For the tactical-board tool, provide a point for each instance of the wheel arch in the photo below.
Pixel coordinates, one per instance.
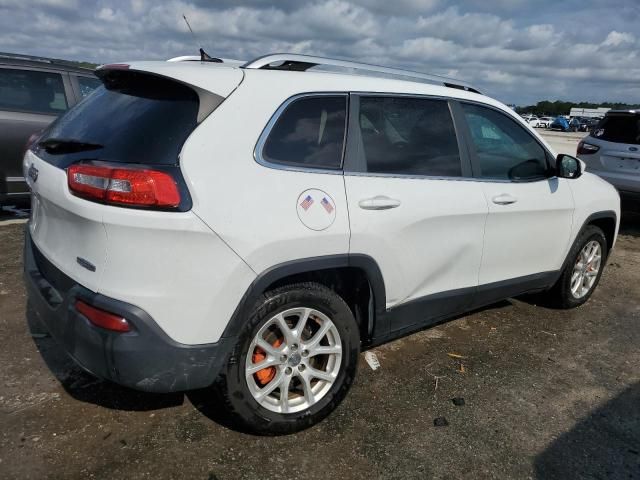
(605, 218)
(607, 222)
(342, 273)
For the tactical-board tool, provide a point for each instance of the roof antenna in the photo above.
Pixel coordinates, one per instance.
(204, 56)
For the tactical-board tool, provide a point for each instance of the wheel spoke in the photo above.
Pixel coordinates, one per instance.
(302, 322)
(267, 347)
(266, 363)
(284, 393)
(320, 374)
(306, 386)
(319, 335)
(289, 337)
(576, 284)
(322, 350)
(270, 387)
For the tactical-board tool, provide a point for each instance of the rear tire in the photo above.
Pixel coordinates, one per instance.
(292, 361)
(582, 272)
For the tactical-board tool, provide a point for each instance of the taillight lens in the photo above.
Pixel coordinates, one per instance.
(586, 148)
(100, 318)
(123, 186)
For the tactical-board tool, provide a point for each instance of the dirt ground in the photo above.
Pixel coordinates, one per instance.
(547, 394)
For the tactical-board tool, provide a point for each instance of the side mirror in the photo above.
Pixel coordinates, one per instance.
(568, 166)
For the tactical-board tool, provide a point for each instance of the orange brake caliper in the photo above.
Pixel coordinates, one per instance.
(265, 375)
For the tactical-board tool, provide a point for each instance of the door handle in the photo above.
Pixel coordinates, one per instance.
(379, 202)
(504, 199)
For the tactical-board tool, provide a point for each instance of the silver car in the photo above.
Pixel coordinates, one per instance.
(612, 150)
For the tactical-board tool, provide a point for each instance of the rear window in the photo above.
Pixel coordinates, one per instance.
(309, 133)
(131, 118)
(409, 136)
(622, 128)
(32, 91)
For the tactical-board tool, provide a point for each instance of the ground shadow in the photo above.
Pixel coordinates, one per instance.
(606, 444)
(87, 388)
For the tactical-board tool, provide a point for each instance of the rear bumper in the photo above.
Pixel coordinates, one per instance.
(144, 358)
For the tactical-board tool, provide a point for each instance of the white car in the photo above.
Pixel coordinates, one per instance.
(545, 122)
(533, 121)
(252, 228)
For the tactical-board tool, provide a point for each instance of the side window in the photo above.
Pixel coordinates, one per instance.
(32, 91)
(409, 136)
(309, 133)
(505, 150)
(87, 85)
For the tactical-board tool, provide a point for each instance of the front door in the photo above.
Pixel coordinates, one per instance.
(530, 210)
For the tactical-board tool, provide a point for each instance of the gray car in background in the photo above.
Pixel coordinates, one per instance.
(33, 92)
(612, 150)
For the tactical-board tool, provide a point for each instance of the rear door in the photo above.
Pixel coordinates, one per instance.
(413, 206)
(29, 101)
(530, 211)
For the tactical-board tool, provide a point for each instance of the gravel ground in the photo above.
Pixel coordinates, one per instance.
(547, 394)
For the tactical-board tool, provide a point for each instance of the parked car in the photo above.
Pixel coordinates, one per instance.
(33, 92)
(545, 122)
(251, 228)
(533, 121)
(560, 123)
(612, 150)
(591, 123)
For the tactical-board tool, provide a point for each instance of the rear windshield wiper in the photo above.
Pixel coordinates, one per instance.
(67, 145)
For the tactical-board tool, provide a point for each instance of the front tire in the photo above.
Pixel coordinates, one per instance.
(583, 270)
(294, 362)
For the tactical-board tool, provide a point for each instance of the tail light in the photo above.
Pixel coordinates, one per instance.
(100, 318)
(586, 148)
(123, 186)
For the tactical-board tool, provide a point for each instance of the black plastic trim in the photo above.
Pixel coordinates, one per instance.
(260, 284)
(427, 311)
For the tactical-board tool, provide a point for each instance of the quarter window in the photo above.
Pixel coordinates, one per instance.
(505, 150)
(309, 133)
(88, 85)
(408, 136)
(32, 91)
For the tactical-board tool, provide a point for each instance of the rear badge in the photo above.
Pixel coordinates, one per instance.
(316, 209)
(86, 264)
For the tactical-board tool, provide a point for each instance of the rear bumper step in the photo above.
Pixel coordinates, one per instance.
(144, 359)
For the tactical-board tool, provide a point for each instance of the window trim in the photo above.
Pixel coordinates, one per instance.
(354, 158)
(66, 89)
(473, 155)
(262, 140)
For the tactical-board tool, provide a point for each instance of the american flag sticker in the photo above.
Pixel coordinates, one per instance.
(327, 205)
(306, 203)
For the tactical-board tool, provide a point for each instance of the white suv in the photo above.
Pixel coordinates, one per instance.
(250, 228)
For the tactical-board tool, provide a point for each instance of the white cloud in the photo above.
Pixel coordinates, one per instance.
(513, 50)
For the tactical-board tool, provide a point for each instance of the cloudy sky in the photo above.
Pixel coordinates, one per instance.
(519, 51)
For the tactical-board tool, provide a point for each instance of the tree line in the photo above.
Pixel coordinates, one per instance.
(560, 107)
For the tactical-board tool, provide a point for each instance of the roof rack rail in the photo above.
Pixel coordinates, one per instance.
(18, 56)
(301, 63)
